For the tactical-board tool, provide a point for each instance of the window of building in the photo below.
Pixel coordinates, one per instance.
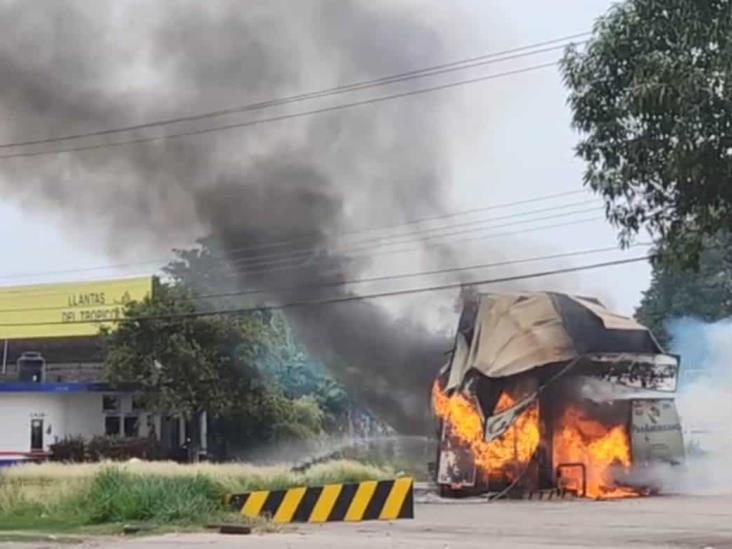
(110, 403)
(132, 426)
(111, 426)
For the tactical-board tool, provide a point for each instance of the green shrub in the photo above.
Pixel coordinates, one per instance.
(115, 448)
(116, 496)
(308, 413)
(282, 432)
(69, 450)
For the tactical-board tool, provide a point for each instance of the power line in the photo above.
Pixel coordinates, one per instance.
(269, 266)
(505, 55)
(305, 256)
(375, 245)
(347, 282)
(416, 221)
(237, 274)
(412, 275)
(421, 234)
(345, 299)
(33, 293)
(333, 108)
(295, 267)
(303, 265)
(280, 243)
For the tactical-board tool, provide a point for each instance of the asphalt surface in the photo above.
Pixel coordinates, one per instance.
(669, 521)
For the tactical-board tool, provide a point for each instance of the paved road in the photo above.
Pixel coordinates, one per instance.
(672, 522)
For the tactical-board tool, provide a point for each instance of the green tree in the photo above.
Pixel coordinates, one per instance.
(290, 367)
(651, 95)
(677, 291)
(266, 415)
(273, 347)
(185, 363)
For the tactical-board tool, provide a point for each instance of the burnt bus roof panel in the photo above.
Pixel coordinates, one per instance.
(514, 333)
(590, 335)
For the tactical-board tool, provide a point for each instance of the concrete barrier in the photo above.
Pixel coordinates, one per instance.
(369, 500)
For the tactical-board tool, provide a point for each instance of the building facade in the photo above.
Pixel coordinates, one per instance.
(37, 415)
(51, 370)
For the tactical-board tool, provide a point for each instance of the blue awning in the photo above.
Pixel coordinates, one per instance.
(31, 387)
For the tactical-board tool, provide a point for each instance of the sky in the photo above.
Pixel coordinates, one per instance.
(510, 140)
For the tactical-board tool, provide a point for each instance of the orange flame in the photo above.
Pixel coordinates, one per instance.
(578, 439)
(516, 445)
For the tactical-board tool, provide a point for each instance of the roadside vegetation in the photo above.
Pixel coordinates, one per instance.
(257, 385)
(103, 497)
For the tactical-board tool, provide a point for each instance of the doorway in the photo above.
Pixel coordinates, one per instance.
(36, 435)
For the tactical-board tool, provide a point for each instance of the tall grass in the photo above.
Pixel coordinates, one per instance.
(116, 496)
(51, 495)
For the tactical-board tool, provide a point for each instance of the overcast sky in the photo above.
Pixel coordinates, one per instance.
(511, 140)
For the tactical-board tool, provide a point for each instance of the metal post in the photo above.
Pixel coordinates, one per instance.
(5, 357)
(582, 468)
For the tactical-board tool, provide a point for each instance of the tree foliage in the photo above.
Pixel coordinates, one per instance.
(676, 291)
(187, 364)
(182, 362)
(279, 357)
(651, 95)
(246, 370)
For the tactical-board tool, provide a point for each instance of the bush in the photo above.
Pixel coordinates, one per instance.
(77, 450)
(69, 449)
(113, 448)
(308, 413)
(287, 432)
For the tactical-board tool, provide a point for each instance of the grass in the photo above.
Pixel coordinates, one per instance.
(100, 498)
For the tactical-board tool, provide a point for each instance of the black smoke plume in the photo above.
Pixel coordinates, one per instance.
(83, 65)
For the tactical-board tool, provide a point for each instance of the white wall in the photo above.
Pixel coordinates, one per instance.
(18, 409)
(63, 415)
(84, 415)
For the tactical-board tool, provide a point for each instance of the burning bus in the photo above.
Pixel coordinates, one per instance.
(548, 392)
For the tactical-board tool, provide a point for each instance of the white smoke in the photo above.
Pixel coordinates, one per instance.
(704, 401)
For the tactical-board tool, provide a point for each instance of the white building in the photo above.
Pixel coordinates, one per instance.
(51, 365)
(36, 415)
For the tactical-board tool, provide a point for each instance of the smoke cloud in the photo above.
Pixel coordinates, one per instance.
(704, 401)
(82, 65)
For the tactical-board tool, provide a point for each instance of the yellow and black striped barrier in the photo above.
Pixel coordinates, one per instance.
(369, 500)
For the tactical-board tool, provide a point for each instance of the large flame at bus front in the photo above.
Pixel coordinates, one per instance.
(503, 455)
(603, 450)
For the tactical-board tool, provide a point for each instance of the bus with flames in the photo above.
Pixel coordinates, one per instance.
(552, 393)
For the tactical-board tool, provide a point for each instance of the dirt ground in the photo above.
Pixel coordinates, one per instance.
(670, 521)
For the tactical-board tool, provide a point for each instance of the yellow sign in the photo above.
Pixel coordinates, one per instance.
(63, 310)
